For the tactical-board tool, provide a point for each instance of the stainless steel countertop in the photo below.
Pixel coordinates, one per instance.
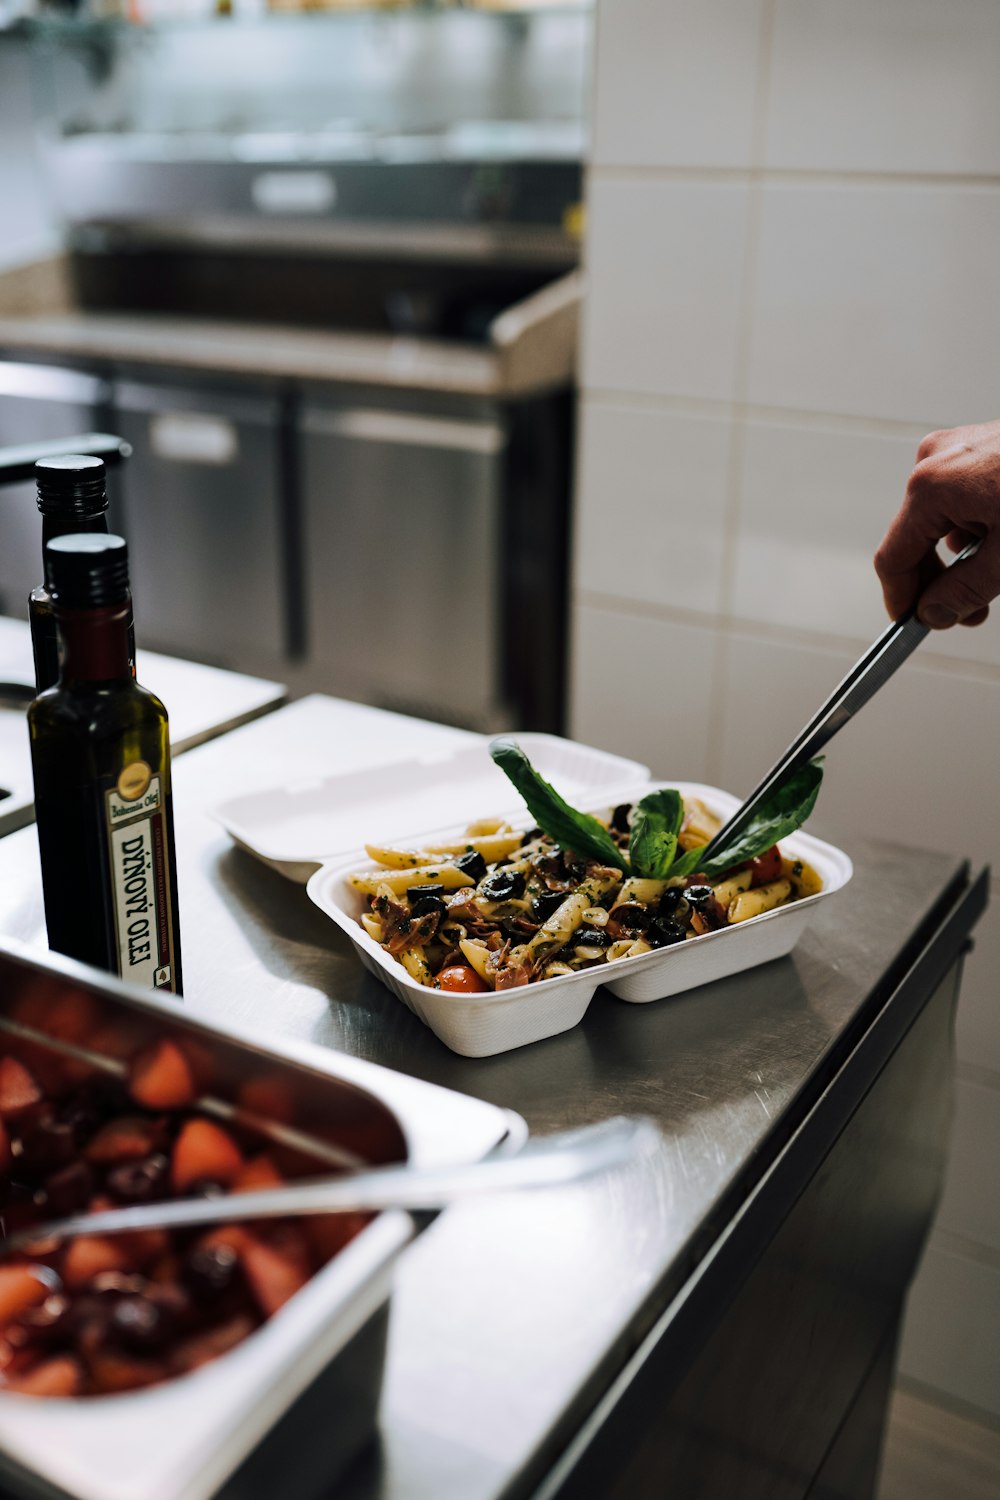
(511, 1317)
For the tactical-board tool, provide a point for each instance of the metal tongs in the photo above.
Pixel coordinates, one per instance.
(862, 682)
(551, 1161)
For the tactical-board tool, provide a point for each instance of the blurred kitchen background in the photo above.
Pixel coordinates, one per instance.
(323, 271)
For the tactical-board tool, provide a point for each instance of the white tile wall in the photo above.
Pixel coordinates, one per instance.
(894, 86)
(766, 338)
(646, 472)
(645, 683)
(891, 773)
(814, 501)
(27, 226)
(664, 261)
(878, 300)
(661, 103)
(950, 1337)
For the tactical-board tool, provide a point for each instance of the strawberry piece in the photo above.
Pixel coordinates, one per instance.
(329, 1233)
(18, 1089)
(272, 1275)
(269, 1096)
(142, 1246)
(126, 1139)
(89, 1255)
(112, 1371)
(194, 1352)
(60, 1376)
(24, 1286)
(203, 1152)
(161, 1077)
(256, 1174)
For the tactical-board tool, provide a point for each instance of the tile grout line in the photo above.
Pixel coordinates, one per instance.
(804, 177)
(720, 408)
(717, 713)
(765, 632)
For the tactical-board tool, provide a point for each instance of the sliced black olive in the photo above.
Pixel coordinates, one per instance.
(699, 895)
(503, 885)
(629, 917)
(472, 864)
(423, 905)
(416, 892)
(543, 906)
(619, 818)
(670, 900)
(664, 931)
(591, 937)
(531, 835)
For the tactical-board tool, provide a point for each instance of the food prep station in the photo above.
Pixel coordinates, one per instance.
(726, 1312)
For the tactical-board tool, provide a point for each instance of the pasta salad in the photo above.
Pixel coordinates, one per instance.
(498, 908)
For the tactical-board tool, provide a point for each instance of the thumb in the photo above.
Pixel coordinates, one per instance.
(964, 589)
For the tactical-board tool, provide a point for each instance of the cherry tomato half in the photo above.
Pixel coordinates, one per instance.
(767, 866)
(460, 979)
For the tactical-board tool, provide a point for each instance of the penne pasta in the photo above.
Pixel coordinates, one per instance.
(398, 882)
(532, 911)
(764, 898)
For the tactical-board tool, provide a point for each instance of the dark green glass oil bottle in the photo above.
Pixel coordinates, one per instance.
(72, 499)
(101, 761)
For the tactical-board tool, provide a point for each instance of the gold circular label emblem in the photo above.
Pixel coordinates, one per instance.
(134, 780)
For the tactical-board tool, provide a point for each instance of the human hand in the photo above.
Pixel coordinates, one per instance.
(953, 494)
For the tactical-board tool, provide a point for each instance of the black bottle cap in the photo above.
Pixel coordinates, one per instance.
(73, 484)
(87, 571)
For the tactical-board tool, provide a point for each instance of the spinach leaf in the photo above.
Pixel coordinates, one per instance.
(573, 830)
(656, 823)
(785, 810)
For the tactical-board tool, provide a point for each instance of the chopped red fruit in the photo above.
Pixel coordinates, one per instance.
(194, 1352)
(256, 1174)
(272, 1276)
(204, 1152)
(90, 1254)
(766, 867)
(268, 1096)
(125, 1139)
(61, 1376)
(24, 1286)
(72, 1016)
(329, 1233)
(161, 1077)
(18, 1089)
(112, 1371)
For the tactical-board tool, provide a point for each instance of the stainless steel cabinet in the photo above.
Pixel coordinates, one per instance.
(36, 403)
(404, 571)
(203, 505)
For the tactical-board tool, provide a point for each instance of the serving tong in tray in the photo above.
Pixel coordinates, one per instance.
(550, 1161)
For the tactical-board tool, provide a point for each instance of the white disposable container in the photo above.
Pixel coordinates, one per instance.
(484, 1024)
(297, 827)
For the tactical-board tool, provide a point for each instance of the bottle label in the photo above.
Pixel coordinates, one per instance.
(140, 877)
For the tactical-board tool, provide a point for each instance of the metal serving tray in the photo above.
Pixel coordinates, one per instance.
(285, 1411)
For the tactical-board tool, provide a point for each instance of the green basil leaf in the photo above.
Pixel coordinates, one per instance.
(786, 809)
(573, 830)
(688, 862)
(656, 823)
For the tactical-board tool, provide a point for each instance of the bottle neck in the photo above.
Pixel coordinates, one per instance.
(53, 526)
(95, 644)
